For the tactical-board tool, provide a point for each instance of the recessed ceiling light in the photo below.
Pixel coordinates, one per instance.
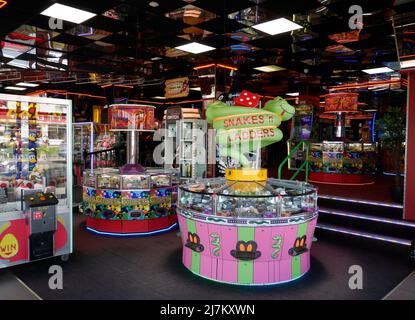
(67, 13)
(408, 64)
(156, 58)
(269, 68)
(27, 84)
(293, 94)
(378, 70)
(153, 4)
(15, 88)
(277, 26)
(194, 47)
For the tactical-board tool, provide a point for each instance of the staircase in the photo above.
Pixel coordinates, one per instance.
(374, 221)
(371, 221)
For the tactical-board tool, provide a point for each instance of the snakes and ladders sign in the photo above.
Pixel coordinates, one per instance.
(242, 129)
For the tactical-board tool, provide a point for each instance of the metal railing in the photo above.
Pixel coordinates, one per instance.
(305, 164)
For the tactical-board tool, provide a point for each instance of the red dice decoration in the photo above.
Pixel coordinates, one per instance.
(247, 99)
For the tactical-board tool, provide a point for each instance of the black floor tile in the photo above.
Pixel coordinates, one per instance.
(151, 268)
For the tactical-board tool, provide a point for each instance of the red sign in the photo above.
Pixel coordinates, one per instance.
(135, 117)
(13, 241)
(341, 102)
(37, 215)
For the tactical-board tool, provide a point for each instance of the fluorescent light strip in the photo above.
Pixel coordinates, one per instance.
(67, 13)
(137, 234)
(269, 68)
(408, 64)
(27, 84)
(366, 235)
(277, 26)
(381, 204)
(392, 174)
(195, 47)
(371, 218)
(15, 88)
(377, 70)
(293, 94)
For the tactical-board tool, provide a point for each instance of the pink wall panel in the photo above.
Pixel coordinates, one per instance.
(229, 264)
(206, 266)
(263, 237)
(261, 274)
(285, 269)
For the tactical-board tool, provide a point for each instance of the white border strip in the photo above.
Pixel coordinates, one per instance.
(28, 288)
(396, 288)
(370, 218)
(365, 235)
(375, 203)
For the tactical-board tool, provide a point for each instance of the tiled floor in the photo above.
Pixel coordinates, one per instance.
(150, 268)
(13, 289)
(404, 291)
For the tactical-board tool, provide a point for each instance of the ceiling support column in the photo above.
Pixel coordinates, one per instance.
(409, 183)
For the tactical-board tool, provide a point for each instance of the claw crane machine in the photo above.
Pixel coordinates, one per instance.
(35, 179)
(185, 142)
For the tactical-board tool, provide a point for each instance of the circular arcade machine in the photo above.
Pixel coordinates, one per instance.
(246, 229)
(131, 200)
(342, 161)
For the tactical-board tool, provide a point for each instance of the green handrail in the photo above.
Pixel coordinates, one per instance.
(305, 164)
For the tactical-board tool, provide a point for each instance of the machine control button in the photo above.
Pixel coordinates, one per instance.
(41, 199)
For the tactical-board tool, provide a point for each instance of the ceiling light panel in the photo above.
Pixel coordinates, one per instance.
(377, 70)
(15, 88)
(27, 84)
(67, 13)
(277, 26)
(195, 47)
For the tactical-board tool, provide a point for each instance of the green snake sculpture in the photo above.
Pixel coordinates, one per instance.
(277, 246)
(216, 244)
(241, 129)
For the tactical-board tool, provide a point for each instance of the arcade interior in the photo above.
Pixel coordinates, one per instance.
(214, 150)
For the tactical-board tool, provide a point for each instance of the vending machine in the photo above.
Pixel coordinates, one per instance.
(35, 179)
(185, 142)
(301, 128)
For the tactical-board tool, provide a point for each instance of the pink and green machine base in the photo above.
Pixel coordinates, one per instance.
(281, 252)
